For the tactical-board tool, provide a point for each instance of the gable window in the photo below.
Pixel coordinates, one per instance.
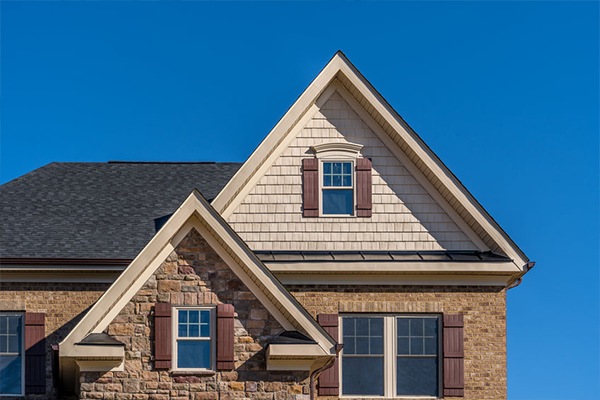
(194, 333)
(390, 355)
(11, 354)
(338, 188)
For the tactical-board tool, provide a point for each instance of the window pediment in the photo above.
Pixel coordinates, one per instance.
(337, 149)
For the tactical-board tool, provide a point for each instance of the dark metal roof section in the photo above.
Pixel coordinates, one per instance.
(292, 337)
(98, 210)
(100, 339)
(379, 256)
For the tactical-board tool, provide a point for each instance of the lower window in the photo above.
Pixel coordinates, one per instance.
(11, 354)
(194, 338)
(390, 355)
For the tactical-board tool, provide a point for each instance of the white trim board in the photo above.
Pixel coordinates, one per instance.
(197, 213)
(446, 189)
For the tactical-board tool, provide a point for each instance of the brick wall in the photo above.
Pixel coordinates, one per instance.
(484, 311)
(194, 275)
(64, 305)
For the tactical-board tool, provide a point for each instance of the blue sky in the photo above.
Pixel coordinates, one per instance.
(506, 93)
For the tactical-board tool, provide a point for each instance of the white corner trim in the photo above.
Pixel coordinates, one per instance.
(197, 213)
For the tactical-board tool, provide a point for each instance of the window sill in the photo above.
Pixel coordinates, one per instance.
(192, 372)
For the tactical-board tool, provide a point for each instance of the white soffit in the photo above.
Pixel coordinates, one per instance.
(340, 75)
(197, 213)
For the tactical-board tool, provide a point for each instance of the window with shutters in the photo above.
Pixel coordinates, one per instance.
(12, 365)
(400, 352)
(194, 338)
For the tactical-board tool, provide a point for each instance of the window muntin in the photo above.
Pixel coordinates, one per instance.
(400, 353)
(11, 354)
(194, 329)
(337, 188)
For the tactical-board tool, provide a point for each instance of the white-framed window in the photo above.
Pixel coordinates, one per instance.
(12, 350)
(194, 333)
(337, 187)
(390, 355)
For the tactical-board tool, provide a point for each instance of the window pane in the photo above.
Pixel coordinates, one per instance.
(337, 180)
(193, 354)
(326, 180)
(417, 376)
(402, 326)
(194, 316)
(194, 330)
(327, 168)
(362, 376)
(362, 326)
(377, 345)
(416, 326)
(348, 326)
(205, 317)
(183, 316)
(337, 202)
(347, 180)
(416, 345)
(14, 325)
(10, 371)
(403, 346)
(349, 345)
(431, 326)
(347, 168)
(362, 345)
(3, 344)
(183, 330)
(14, 343)
(337, 168)
(3, 325)
(431, 346)
(205, 330)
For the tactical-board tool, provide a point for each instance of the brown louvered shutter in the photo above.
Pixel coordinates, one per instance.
(310, 182)
(454, 354)
(329, 380)
(363, 187)
(225, 353)
(162, 336)
(35, 353)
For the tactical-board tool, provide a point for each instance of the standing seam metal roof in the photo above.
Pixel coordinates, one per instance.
(98, 210)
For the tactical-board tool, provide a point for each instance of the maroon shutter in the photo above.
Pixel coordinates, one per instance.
(363, 188)
(310, 181)
(35, 353)
(162, 336)
(454, 354)
(329, 380)
(225, 353)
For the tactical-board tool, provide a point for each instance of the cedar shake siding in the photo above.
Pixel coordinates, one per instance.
(404, 215)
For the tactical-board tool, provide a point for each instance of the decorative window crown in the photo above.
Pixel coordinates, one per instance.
(337, 149)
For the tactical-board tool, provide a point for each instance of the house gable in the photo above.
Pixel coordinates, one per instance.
(340, 76)
(405, 216)
(196, 214)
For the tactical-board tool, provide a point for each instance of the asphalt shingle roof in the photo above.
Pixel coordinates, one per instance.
(98, 210)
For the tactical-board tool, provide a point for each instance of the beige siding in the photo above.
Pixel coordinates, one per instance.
(404, 217)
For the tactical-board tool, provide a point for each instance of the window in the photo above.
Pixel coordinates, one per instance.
(194, 332)
(11, 354)
(338, 188)
(400, 353)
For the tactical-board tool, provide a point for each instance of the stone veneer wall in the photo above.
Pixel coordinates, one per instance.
(194, 275)
(64, 304)
(484, 311)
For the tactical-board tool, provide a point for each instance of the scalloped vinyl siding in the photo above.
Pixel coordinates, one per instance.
(404, 217)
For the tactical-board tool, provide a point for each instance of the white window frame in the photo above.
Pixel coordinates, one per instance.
(390, 355)
(352, 187)
(212, 338)
(22, 315)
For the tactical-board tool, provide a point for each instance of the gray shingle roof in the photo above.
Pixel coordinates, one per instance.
(98, 210)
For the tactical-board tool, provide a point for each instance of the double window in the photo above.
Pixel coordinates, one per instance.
(194, 332)
(338, 188)
(11, 354)
(390, 355)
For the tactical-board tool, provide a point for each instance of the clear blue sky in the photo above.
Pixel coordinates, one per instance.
(506, 93)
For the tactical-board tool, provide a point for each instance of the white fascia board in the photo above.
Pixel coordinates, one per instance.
(414, 280)
(391, 267)
(196, 212)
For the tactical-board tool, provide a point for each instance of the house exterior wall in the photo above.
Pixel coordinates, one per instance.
(484, 310)
(404, 217)
(64, 304)
(194, 275)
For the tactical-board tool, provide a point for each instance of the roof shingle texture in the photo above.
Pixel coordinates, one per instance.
(98, 210)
